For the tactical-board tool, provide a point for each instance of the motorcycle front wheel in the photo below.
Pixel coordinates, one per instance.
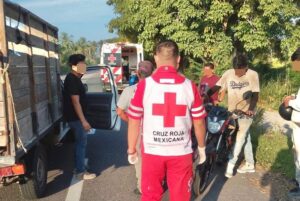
(202, 173)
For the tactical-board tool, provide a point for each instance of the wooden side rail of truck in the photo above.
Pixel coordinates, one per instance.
(30, 98)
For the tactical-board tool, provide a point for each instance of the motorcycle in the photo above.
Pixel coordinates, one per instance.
(222, 127)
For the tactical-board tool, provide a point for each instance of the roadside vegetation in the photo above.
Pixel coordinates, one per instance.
(68, 45)
(276, 82)
(272, 149)
(211, 30)
(91, 49)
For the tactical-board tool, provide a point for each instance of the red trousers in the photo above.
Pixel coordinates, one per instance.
(177, 169)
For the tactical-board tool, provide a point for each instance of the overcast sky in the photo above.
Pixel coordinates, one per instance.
(80, 18)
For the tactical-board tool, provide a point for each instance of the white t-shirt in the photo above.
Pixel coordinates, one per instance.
(126, 96)
(237, 86)
(295, 104)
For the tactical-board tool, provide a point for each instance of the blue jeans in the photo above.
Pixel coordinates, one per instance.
(243, 138)
(80, 145)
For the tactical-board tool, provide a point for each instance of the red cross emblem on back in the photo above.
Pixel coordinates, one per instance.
(169, 110)
(111, 58)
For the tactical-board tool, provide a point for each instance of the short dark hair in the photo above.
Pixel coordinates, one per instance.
(296, 55)
(74, 59)
(240, 61)
(170, 45)
(145, 68)
(210, 65)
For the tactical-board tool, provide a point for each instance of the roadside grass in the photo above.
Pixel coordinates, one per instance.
(275, 84)
(273, 91)
(272, 149)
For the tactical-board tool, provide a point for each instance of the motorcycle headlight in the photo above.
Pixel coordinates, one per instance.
(214, 126)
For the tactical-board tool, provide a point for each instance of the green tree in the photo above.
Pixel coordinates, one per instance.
(68, 46)
(211, 30)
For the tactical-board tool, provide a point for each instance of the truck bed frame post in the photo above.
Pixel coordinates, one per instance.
(48, 73)
(4, 120)
(31, 75)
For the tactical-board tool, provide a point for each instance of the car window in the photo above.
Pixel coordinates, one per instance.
(93, 82)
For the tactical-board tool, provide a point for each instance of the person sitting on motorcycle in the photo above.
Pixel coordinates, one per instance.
(236, 82)
(207, 81)
(294, 102)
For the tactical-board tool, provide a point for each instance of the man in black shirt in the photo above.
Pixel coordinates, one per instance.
(74, 108)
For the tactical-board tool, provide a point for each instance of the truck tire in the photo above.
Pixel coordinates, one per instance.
(34, 182)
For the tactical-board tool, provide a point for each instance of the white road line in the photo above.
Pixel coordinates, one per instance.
(74, 192)
(75, 189)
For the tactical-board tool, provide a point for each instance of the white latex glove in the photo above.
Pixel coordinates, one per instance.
(133, 158)
(202, 155)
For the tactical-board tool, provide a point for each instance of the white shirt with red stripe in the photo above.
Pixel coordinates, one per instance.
(167, 102)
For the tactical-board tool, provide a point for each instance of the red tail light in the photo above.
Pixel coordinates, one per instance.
(17, 169)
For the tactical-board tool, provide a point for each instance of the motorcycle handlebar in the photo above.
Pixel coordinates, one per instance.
(239, 113)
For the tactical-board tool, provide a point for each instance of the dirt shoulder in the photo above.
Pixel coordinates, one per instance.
(273, 121)
(274, 185)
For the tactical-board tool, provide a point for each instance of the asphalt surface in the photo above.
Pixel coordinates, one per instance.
(115, 180)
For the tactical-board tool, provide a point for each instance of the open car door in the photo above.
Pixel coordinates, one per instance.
(101, 99)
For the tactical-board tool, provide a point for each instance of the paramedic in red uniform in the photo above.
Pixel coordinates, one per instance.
(167, 104)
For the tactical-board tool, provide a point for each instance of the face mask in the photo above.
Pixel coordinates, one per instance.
(79, 68)
(296, 65)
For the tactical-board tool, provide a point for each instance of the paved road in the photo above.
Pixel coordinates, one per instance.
(116, 179)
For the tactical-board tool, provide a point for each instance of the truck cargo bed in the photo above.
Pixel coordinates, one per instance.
(30, 94)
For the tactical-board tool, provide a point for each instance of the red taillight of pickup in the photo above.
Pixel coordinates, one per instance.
(14, 170)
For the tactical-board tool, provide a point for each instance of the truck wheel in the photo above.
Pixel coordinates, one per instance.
(69, 137)
(33, 184)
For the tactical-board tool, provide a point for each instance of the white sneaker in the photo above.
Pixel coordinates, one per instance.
(85, 176)
(247, 168)
(88, 175)
(229, 170)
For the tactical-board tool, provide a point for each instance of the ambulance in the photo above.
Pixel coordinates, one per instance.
(123, 59)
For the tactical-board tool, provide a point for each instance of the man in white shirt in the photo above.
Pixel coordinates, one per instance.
(294, 102)
(237, 82)
(145, 69)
